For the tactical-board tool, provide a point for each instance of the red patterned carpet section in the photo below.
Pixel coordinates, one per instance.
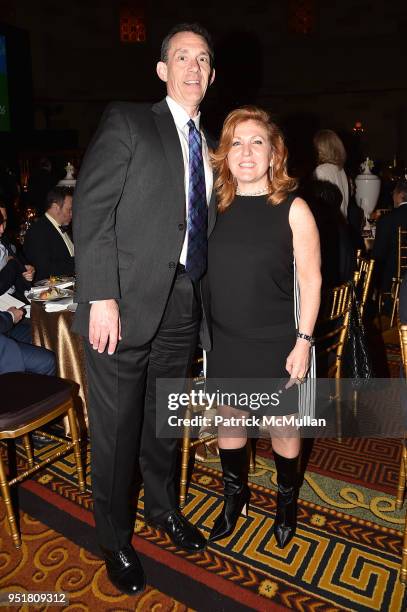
(49, 562)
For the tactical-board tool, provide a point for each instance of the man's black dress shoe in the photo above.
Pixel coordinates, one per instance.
(124, 570)
(182, 533)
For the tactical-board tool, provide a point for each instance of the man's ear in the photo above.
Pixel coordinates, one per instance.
(162, 71)
(211, 80)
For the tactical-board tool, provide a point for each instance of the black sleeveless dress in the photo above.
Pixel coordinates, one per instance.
(251, 284)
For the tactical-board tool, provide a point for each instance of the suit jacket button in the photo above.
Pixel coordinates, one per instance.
(181, 227)
(172, 264)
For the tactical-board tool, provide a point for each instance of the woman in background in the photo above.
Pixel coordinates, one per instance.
(331, 156)
(261, 228)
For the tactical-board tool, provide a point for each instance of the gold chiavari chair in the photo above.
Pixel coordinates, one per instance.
(330, 339)
(30, 401)
(402, 483)
(332, 328)
(362, 279)
(400, 271)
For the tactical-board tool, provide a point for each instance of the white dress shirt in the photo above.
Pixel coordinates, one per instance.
(64, 235)
(181, 119)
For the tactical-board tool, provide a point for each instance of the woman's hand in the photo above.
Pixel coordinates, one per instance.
(298, 360)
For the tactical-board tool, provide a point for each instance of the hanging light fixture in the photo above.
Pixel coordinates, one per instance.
(302, 16)
(358, 127)
(132, 23)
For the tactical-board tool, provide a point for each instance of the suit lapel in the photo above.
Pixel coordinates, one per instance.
(172, 148)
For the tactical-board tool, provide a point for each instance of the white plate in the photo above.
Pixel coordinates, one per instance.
(62, 293)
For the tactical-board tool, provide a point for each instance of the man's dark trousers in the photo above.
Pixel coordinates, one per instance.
(122, 417)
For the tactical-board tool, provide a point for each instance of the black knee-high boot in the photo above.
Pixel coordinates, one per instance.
(286, 515)
(237, 494)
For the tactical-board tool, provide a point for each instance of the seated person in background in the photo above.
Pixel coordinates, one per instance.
(18, 356)
(15, 276)
(47, 243)
(385, 244)
(338, 257)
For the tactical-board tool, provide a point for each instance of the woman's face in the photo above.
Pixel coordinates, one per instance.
(250, 156)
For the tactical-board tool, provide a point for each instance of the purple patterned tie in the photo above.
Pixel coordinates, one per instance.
(197, 208)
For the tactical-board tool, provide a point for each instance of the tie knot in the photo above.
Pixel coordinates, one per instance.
(191, 124)
(63, 228)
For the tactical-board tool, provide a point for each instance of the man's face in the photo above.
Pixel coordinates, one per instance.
(62, 214)
(187, 71)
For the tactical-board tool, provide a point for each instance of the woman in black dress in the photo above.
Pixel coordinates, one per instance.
(264, 236)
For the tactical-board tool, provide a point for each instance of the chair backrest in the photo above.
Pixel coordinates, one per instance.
(362, 278)
(401, 251)
(403, 346)
(332, 328)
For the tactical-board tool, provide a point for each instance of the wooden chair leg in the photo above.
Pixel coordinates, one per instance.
(252, 456)
(28, 450)
(77, 448)
(395, 303)
(402, 478)
(5, 491)
(403, 569)
(186, 441)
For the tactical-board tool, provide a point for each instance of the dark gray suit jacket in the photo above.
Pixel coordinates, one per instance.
(129, 217)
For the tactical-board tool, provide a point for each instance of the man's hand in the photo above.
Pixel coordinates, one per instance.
(29, 273)
(17, 313)
(104, 326)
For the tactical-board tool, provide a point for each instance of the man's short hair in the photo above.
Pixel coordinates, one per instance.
(57, 195)
(401, 188)
(195, 28)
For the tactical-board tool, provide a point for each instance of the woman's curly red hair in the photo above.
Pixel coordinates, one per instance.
(225, 186)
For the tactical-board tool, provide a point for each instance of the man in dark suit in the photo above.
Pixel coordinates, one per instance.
(48, 245)
(21, 356)
(140, 228)
(385, 244)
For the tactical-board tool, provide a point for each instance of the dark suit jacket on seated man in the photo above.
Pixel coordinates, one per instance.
(385, 244)
(146, 171)
(47, 244)
(21, 356)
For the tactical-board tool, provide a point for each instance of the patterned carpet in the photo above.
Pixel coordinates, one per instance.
(50, 562)
(345, 556)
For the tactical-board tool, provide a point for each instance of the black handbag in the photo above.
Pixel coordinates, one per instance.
(356, 360)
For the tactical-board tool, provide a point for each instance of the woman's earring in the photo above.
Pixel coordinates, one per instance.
(271, 173)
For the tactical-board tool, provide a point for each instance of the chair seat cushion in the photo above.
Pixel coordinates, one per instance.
(25, 397)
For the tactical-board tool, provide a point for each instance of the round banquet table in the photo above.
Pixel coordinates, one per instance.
(52, 330)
